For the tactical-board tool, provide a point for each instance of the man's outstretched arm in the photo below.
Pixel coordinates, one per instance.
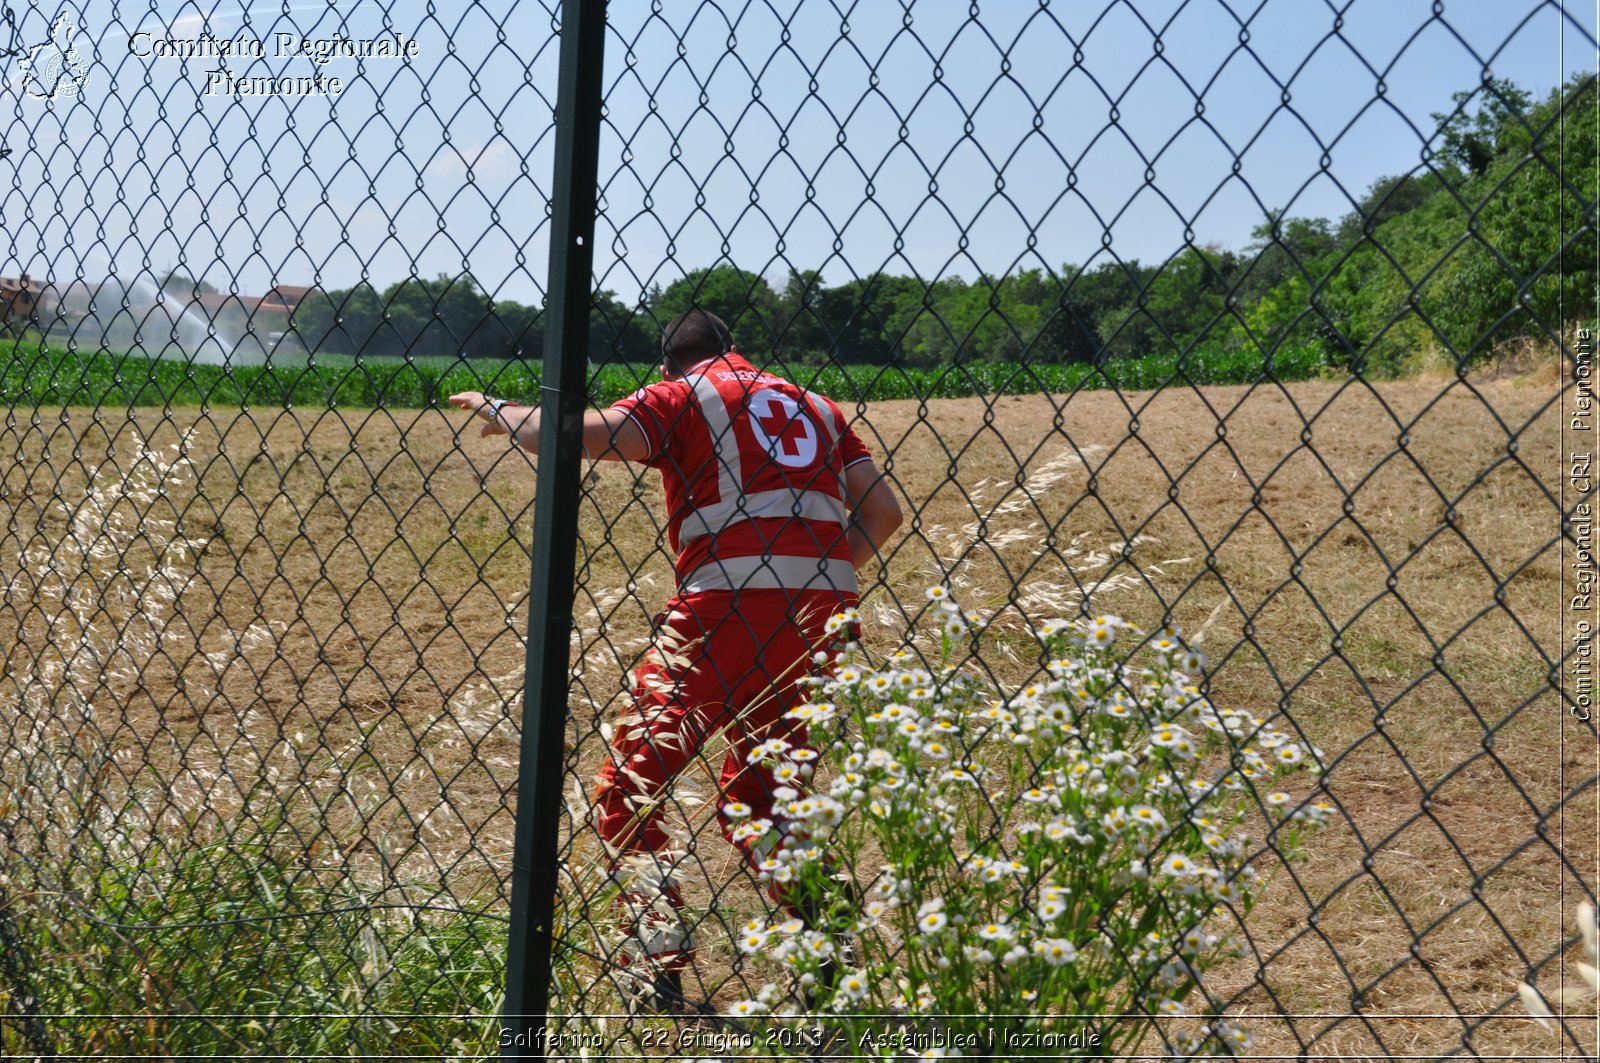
(607, 434)
(874, 511)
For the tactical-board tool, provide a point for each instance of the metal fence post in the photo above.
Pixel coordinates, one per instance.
(563, 390)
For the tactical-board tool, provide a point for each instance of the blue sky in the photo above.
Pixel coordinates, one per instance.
(143, 165)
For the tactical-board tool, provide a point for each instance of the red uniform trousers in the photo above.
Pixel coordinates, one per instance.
(731, 661)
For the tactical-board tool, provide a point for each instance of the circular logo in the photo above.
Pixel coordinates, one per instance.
(780, 427)
(55, 70)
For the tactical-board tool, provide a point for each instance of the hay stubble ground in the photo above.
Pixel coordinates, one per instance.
(1373, 560)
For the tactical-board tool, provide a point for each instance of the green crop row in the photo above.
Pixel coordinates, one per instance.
(44, 374)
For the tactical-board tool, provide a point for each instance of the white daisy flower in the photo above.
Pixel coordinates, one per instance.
(1056, 951)
(1233, 1035)
(995, 932)
(770, 748)
(753, 829)
(853, 987)
(1146, 816)
(1178, 865)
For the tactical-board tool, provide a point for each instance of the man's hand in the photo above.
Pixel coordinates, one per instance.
(492, 414)
(607, 434)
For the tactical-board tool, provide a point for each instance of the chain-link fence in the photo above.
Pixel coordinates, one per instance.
(1274, 325)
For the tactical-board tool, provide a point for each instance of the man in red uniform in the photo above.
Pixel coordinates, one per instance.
(773, 501)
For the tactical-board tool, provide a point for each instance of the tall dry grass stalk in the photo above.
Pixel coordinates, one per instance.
(143, 855)
(1016, 560)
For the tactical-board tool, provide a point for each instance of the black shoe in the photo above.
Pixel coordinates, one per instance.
(651, 991)
(812, 908)
(820, 993)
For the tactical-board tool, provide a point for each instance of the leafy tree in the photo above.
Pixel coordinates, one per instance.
(339, 321)
(621, 333)
(741, 298)
(1526, 260)
(863, 321)
(1271, 297)
(512, 331)
(1076, 321)
(1179, 305)
(442, 317)
(1479, 246)
(1388, 198)
(1497, 128)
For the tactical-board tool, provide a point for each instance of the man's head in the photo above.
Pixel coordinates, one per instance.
(693, 337)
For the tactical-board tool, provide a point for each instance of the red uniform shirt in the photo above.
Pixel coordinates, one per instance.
(753, 470)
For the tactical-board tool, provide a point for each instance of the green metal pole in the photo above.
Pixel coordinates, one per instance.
(555, 526)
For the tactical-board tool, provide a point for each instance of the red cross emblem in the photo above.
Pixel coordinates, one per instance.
(782, 427)
(786, 430)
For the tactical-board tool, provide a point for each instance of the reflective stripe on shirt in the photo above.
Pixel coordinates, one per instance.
(772, 573)
(733, 505)
(784, 502)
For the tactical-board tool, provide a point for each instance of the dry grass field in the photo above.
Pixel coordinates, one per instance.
(1378, 562)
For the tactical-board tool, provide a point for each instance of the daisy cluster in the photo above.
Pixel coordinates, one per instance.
(1075, 835)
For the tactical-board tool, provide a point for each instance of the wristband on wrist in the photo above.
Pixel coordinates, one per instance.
(496, 405)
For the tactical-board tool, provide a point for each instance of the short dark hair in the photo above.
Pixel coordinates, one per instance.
(693, 337)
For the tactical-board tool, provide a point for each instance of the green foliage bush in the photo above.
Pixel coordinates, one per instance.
(243, 945)
(1064, 856)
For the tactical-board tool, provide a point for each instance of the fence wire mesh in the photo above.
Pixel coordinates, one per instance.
(1274, 324)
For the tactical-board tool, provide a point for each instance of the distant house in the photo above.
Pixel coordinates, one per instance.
(290, 295)
(228, 313)
(23, 300)
(267, 315)
(233, 316)
(275, 309)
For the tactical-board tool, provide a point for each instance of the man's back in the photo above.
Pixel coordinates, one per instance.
(753, 469)
(772, 503)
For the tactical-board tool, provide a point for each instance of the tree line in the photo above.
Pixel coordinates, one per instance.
(1481, 243)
